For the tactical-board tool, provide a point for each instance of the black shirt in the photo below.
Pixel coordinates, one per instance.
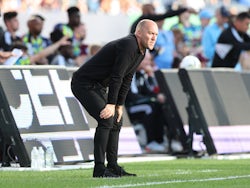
(7, 41)
(236, 42)
(157, 17)
(113, 66)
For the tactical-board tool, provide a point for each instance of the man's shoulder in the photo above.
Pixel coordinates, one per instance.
(129, 40)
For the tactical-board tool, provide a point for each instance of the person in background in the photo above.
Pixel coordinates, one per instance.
(205, 17)
(74, 22)
(101, 86)
(148, 12)
(144, 105)
(74, 17)
(65, 54)
(212, 32)
(79, 36)
(27, 59)
(92, 50)
(232, 42)
(181, 49)
(9, 36)
(192, 32)
(164, 50)
(33, 40)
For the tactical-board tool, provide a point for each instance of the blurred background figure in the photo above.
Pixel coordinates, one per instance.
(205, 16)
(164, 50)
(192, 32)
(92, 50)
(9, 36)
(145, 106)
(80, 32)
(64, 55)
(232, 42)
(212, 32)
(148, 12)
(33, 40)
(27, 59)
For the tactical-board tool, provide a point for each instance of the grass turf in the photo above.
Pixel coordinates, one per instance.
(180, 173)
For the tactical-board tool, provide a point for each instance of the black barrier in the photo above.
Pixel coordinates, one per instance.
(219, 100)
(173, 83)
(197, 122)
(170, 112)
(12, 147)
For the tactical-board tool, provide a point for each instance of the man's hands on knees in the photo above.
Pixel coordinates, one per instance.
(109, 111)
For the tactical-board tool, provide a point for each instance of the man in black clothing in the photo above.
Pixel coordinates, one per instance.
(148, 12)
(112, 67)
(232, 42)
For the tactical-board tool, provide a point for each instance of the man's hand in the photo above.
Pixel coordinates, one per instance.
(108, 111)
(119, 113)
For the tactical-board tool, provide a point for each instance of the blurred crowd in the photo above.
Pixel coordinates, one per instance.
(106, 6)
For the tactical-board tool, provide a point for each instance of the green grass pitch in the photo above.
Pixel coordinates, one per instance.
(179, 173)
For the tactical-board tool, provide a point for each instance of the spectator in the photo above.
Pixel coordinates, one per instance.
(192, 32)
(232, 42)
(205, 16)
(65, 54)
(181, 49)
(148, 12)
(212, 32)
(79, 36)
(9, 36)
(33, 40)
(144, 105)
(74, 21)
(74, 17)
(92, 50)
(27, 59)
(164, 47)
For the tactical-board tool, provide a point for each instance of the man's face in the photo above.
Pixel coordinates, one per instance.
(36, 26)
(75, 19)
(243, 25)
(148, 35)
(13, 24)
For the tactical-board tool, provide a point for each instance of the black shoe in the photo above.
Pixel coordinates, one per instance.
(117, 170)
(106, 174)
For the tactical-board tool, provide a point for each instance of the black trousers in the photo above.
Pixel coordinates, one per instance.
(93, 96)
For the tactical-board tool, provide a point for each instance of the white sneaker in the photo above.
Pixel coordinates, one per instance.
(155, 147)
(176, 146)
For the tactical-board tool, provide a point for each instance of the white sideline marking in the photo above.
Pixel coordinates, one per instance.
(177, 181)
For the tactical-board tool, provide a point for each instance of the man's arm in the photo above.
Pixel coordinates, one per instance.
(170, 13)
